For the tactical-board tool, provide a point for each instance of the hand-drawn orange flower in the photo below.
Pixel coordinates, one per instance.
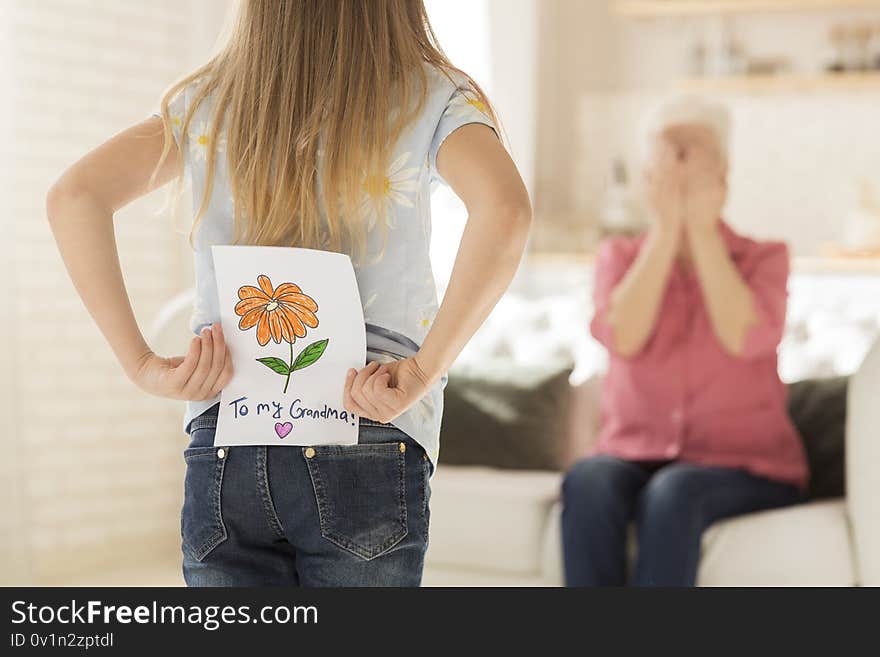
(280, 314)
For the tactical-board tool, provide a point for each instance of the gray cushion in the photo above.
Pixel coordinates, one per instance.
(818, 409)
(506, 417)
(515, 418)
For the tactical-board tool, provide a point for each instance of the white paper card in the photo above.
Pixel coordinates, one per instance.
(294, 325)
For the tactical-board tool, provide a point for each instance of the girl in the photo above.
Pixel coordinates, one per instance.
(320, 124)
(695, 421)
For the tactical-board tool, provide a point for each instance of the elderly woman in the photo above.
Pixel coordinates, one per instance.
(695, 426)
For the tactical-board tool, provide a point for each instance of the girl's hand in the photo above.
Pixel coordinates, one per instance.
(384, 392)
(201, 374)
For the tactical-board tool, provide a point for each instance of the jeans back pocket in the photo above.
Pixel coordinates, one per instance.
(361, 495)
(201, 520)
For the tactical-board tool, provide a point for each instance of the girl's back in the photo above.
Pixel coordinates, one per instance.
(394, 273)
(319, 124)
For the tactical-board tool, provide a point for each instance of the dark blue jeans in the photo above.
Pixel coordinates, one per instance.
(671, 503)
(328, 515)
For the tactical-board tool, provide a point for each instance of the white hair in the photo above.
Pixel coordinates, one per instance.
(685, 109)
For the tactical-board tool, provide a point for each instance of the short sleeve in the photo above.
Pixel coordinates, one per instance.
(613, 261)
(176, 110)
(767, 279)
(463, 107)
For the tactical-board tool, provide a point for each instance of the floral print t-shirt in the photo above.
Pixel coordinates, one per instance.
(397, 290)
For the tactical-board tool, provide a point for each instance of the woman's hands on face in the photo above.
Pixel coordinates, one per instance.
(664, 178)
(705, 188)
(686, 183)
(383, 392)
(201, 374)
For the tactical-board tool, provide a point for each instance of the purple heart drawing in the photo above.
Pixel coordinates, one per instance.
(283, 429)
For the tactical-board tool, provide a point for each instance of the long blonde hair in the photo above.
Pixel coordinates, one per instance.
(304, 85)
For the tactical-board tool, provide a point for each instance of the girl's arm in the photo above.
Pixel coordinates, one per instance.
(80, 206)
(480, 171)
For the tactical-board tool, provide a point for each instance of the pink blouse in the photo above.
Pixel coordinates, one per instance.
(682, 397)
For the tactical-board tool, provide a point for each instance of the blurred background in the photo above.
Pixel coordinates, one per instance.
(91, 473)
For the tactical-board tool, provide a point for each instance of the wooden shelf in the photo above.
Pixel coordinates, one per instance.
(750, 84)
(836, 265)
(866, 265)
(658, 8)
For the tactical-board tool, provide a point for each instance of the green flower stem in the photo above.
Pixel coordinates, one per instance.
(289, 369)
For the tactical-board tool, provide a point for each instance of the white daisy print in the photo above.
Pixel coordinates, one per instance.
(425, 315)
(176, 123)
(199, 140)
(382, 193)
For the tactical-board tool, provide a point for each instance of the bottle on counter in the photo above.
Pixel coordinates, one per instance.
(875, 48)
(697, 59)
(862, 232)
(620, 215)
(733, 56)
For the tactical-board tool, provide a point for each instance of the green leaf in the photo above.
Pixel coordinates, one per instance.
(275, 364)
(310, 354)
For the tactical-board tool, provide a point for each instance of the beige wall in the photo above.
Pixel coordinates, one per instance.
(798, 157)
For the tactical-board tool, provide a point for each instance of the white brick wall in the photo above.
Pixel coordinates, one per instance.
(92, 471)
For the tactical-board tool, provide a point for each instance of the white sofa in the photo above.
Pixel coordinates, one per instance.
(491, 527)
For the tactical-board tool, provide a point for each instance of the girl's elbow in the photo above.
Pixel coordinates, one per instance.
(54, 200)
(60, 195)
(515, 218)
(524, 212)
(65, 194)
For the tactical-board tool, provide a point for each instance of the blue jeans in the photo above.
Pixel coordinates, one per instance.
(328, 515)
(672, 504)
